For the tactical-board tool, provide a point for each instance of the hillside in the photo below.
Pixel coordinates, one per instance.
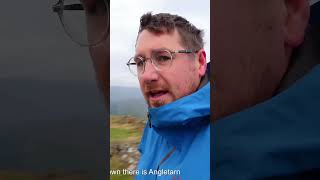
(125, 135)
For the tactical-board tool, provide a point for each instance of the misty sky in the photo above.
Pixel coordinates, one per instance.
(125, 16)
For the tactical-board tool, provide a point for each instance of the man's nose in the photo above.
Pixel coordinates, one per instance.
(150, 73)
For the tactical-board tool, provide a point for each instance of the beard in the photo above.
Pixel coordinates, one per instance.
(156, 104)
(155, 86)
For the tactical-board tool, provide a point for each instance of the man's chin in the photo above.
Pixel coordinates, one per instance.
(155, 104)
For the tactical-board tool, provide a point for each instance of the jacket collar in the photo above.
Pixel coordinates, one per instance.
(183, 112)
(178, 122)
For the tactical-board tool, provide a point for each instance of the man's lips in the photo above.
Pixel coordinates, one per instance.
(156, 94)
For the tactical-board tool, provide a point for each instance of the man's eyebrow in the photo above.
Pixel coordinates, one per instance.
(152, 50)
(160, 49)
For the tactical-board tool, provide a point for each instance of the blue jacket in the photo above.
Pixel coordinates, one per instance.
(177, 139)
(278, 139)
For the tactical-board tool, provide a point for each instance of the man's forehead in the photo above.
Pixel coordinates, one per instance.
(148, 40)
(157, 34)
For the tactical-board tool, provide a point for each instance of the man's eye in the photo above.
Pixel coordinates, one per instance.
(139, 62)
(163, 58)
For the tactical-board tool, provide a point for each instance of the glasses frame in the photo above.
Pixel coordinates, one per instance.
(144, 60)
(59, 7)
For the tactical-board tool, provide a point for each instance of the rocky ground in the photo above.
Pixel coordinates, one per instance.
(125, 135)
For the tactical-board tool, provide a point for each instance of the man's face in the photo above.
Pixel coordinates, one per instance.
(253, 40)
(167, 85)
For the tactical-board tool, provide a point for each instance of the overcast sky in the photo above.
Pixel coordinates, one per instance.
(125, 17)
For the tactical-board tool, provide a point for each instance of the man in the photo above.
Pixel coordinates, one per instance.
(170, 64)
(266, 96)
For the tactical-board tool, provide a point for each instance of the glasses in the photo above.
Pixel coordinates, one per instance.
(86, 22)
(160, 59)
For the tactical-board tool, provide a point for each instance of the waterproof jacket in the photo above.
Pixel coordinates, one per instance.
(176, 140)
(279, 138)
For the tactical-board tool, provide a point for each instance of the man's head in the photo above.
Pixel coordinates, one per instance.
(172, 74)
(253, 43)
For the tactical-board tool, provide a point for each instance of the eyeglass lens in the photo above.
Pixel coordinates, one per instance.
(159, 59)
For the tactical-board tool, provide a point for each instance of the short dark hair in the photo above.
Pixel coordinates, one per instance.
(191, 37)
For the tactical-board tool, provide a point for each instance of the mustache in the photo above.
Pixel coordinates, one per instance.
(151, 88)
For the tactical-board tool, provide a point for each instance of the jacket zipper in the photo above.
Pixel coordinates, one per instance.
(149, 119)
(164, 159)
(167, 155)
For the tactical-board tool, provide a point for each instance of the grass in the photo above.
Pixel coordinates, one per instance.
(116, 164)
(121, 134)
(123, 129)
(121, 177)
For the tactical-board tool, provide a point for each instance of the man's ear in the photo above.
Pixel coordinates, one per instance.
(296, 21)
(202, 61)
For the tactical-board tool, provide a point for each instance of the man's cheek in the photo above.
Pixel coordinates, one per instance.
(173, 92)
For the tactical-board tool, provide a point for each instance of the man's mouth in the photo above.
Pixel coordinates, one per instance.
(156, 94)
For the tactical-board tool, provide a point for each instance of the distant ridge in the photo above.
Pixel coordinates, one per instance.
(127, 101)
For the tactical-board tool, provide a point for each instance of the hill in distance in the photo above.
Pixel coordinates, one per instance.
(127, 101)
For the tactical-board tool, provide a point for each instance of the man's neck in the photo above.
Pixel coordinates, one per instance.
(205, 79)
